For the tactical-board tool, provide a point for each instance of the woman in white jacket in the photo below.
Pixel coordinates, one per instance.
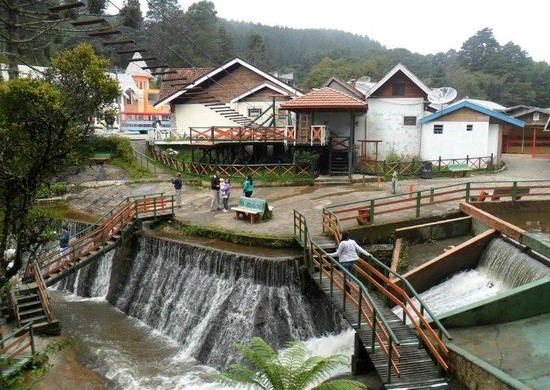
(347, 252)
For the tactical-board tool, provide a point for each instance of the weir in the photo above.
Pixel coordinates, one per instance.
(206, 300)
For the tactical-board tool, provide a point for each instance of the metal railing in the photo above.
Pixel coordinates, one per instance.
(419, 203)
(369, 313)
(18, 343)
(96, 236)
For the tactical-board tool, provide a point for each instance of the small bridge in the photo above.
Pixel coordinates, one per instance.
(407, 352)
(30, 299)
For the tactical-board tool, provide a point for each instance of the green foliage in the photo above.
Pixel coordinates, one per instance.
(291, 369)
(392, 156)
(42, 124)
(49, 190)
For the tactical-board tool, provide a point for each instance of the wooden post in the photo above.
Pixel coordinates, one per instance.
(411, 188)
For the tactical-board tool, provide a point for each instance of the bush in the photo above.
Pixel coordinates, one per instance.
(51, 190)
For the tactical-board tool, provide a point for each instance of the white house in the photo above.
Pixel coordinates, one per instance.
(395, 105)
(464, 129)
(232, 95)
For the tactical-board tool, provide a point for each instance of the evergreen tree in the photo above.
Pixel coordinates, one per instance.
(257, 54)
(131, 15)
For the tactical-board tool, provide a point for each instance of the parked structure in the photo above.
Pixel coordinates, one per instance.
(532, 139)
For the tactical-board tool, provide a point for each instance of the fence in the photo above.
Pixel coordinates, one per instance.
(414, 167)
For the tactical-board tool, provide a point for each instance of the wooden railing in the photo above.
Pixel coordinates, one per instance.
(44, 298)
(377, 275)
(213, 135)
(419, 203)
(369, 313)
(414, 167)
(18, 343)
(99, 234)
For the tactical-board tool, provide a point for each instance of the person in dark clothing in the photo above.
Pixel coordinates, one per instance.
(178, 184)
(64, 238)
(215, 190)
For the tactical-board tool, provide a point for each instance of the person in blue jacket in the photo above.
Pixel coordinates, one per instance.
(248, 187)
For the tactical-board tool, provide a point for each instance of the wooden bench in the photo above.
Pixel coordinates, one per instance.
(458, 168)
(253, 209)
(100, 158)
(500, 192)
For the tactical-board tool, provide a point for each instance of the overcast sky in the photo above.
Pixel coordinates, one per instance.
(425, 27)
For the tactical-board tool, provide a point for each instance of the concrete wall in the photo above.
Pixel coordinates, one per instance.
(385, 123)
(456, 227)
(522, 302)
(461, 257)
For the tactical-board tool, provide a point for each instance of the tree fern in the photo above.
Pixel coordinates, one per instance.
(291, 369)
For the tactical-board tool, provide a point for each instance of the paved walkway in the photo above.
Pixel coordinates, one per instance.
(97, 197)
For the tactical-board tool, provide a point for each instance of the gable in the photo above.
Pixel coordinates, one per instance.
(465, 115)
(395, 83)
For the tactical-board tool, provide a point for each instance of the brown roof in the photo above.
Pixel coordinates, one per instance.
(324, 98)
(190, 75)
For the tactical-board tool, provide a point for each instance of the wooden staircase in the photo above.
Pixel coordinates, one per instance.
(30, 299)
(339, 164)
(227, 112)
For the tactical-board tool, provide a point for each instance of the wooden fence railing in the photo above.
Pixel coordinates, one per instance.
(414, 167)
(421, 203)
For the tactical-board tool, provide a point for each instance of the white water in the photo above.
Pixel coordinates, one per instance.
(188, 304)
(501, 267)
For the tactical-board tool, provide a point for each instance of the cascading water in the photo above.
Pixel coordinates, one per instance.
(200, 301)
(502, 266)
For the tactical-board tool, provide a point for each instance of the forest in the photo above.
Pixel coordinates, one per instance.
(197, 37)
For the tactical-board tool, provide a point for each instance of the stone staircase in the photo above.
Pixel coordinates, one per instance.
(29, 308)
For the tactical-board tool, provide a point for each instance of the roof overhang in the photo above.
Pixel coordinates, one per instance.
(469, 105)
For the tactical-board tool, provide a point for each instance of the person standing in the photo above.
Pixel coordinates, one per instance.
(64, 238)
(347, 252)
(225, 188)
(248, 187)
(178, 184)
(215, 191)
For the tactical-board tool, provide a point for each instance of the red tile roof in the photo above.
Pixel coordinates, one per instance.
(190, 75)
(324, 98)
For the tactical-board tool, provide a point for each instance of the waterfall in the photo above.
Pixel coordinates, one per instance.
(506, 264)
(502, 266)
(204, 299)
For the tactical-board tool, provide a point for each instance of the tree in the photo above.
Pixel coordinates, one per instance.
(42, 123)
(257, 54)
(292, 369)
(131, 15)
(476, 52)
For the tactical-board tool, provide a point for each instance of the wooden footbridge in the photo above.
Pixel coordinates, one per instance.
(30, 299)
(407, 352)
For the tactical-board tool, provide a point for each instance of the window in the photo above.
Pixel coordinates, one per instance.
(438, 129)
(152, 98)
(469, 127)
(536, 116)
(254, 112)
(409, 121)
(398, 89)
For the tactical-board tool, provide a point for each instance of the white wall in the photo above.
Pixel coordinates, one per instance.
(197, 115)
(385, 123)
(457, 142)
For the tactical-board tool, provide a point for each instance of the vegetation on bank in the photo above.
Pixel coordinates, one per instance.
(175, 228)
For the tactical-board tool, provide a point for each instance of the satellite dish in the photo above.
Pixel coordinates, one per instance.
(440, 96)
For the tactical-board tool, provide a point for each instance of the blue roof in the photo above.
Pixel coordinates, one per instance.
(474, 107)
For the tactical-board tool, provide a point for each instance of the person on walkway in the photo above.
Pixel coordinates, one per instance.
(347, 252)
(248, 186)
(225, 188)
(64, 238)
(178, 184)
(215, 190)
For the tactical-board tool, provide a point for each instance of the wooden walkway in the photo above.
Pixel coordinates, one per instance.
(406, 356)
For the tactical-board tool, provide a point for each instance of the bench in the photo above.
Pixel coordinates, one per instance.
(253, 209)
(458, 168)
(499, 192)
(100, 158)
